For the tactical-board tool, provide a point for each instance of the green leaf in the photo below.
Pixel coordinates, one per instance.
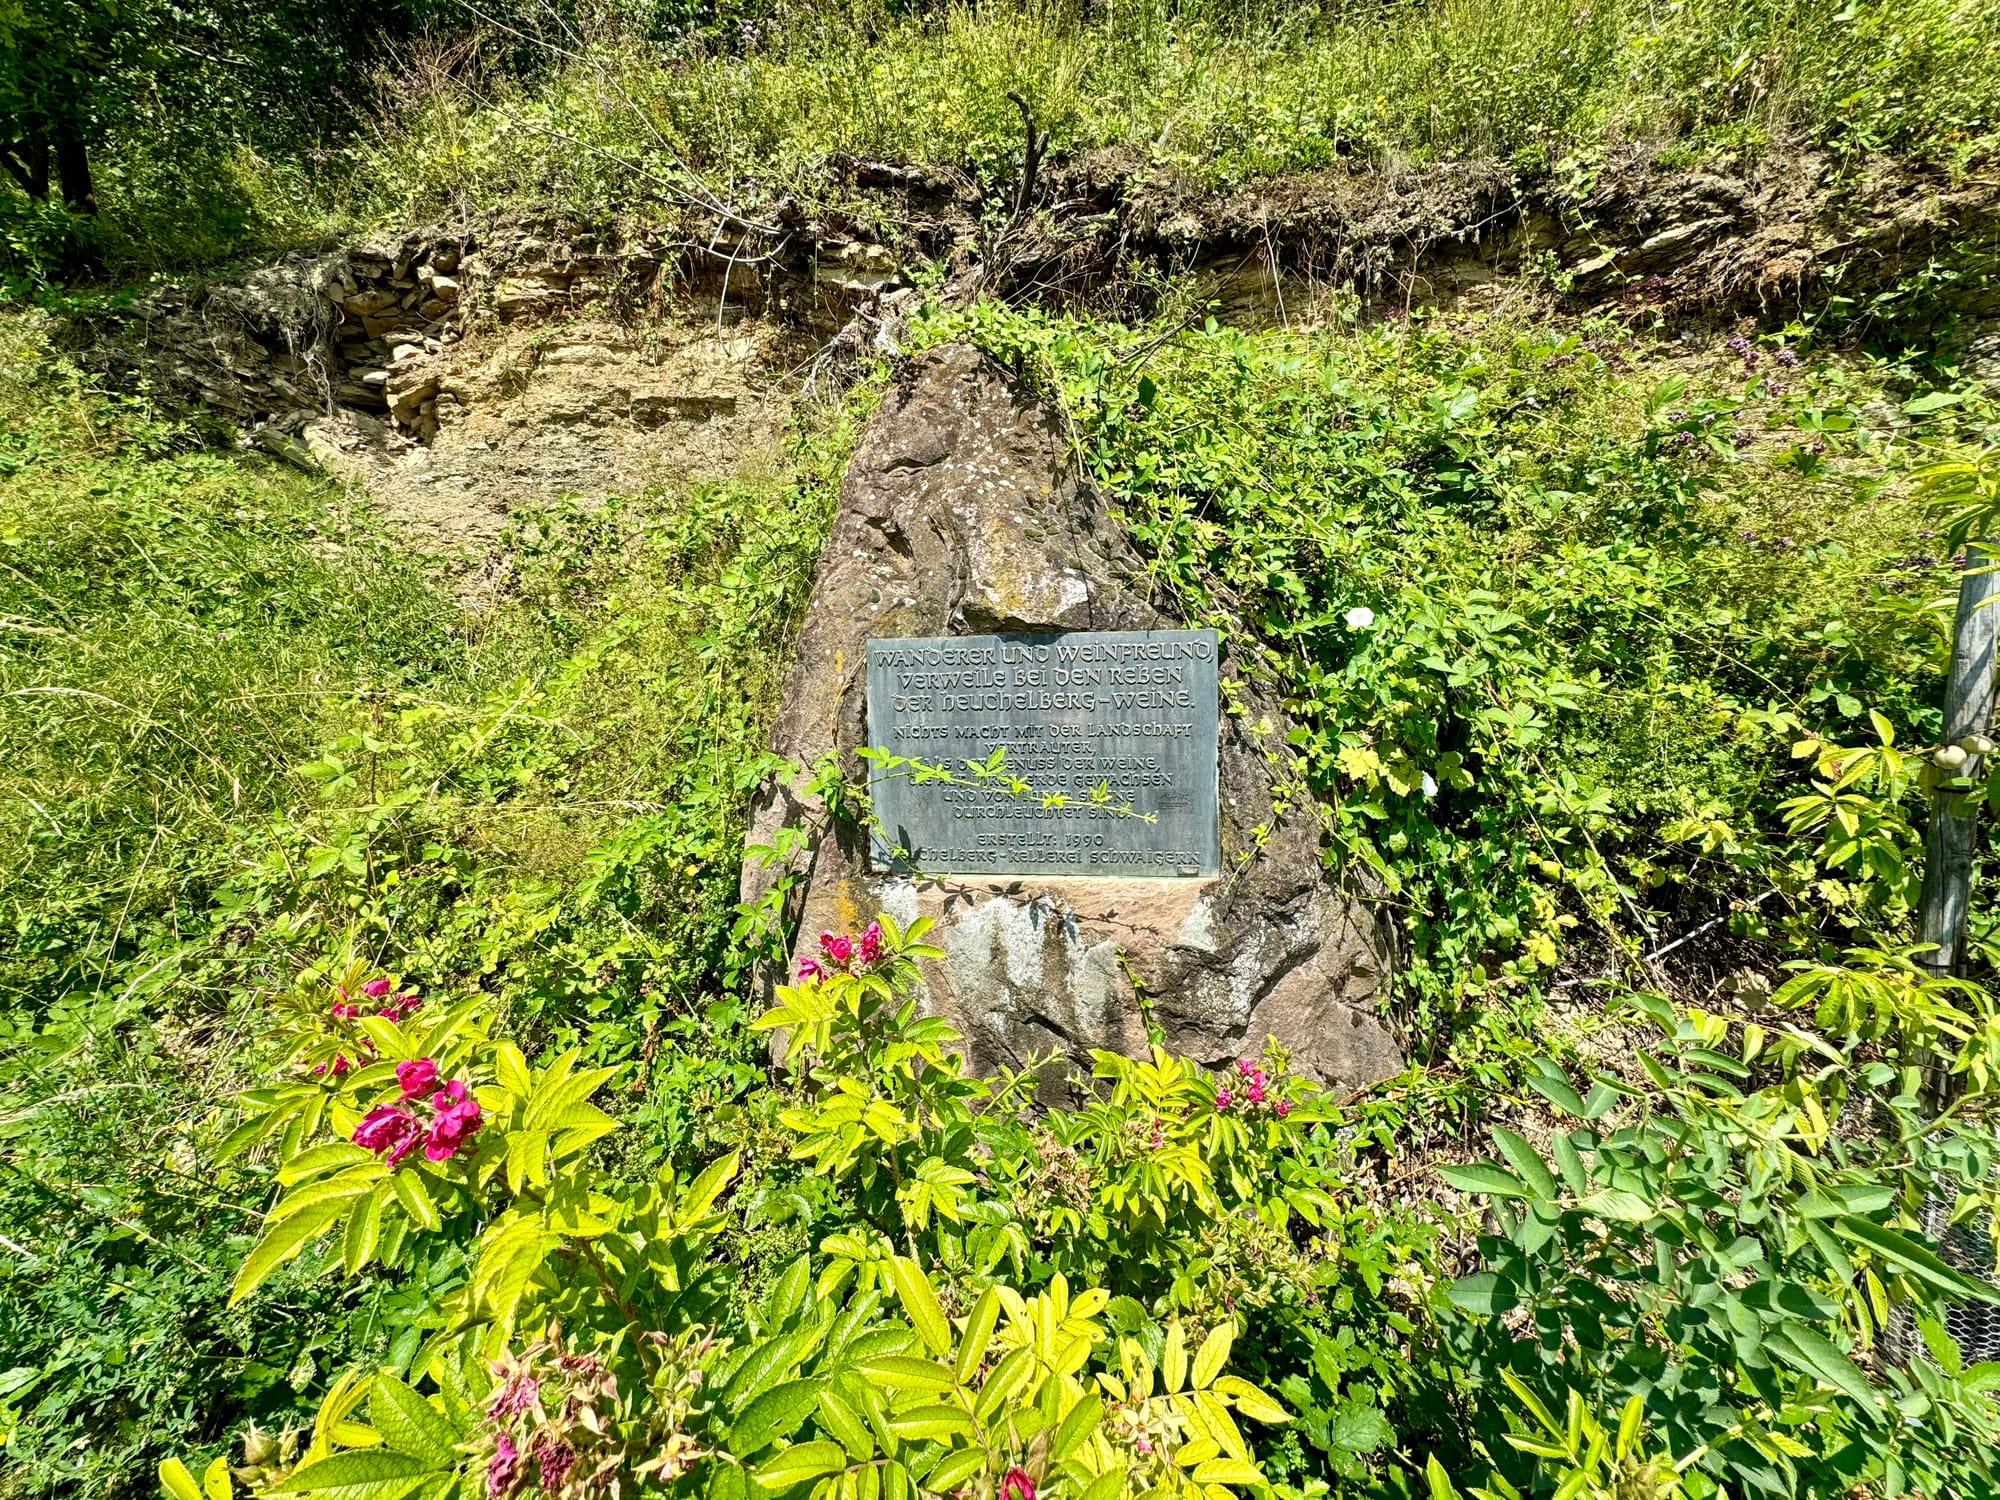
(798, 1463)
(1359, 1427)
(1558, 1093)
(1110, 1485)
(920, 1304)
(1006, 1380)
(1213, 1354)
(1902, 1251)
(1173, 1359)
(1616, 1203)
(954, 1469)
(978, 1334)
(1077, 1427)
(1569, 1161)
(788, 1295)
(178, 1482)
(763, 1366)
(1814, 1355)
(1598, 1102)
(410, 1424)
(283, 1241)
(416, 1199)
(1250, 1400)
(902, 1372)
(931, 1423)
(322, 1159)
(1524, 1159)
(363, 1232)
(1485, 1178)
(701, 1195)
(362, 1474)
(775, 1414)
(840, 1419)
(1227, 1471)
(1485, 1294)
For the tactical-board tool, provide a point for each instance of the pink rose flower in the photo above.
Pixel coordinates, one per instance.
(871, 943)
(1016, 1485)
(1283, 1107)
(457, 1122)
(837, 946)
(1255, 1093)
(389, 1131)
(1242, 1067)
(415, 1077)
(808, 970)
(345, 1012)
(376, 988)
(1222, 1099)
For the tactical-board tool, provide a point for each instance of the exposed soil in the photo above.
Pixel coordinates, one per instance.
(469, 370)
(525, 417)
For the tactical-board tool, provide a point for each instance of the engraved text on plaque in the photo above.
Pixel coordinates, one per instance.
(1133, 712)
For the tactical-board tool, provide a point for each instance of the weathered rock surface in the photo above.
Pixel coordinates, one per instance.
(962, 513)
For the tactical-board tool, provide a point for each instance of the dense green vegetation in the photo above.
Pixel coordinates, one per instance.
(1632, 629)
(388, 1109)
(241, 729)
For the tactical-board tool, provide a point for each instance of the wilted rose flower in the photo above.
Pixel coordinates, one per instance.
(552, 1461)
(513, 1396)
(418, 1076)
(389, 1131)
(871, 943)
(504, 1468)
(809, 969)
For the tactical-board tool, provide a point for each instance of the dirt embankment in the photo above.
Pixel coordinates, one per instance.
(462, 372)
(1767, 239)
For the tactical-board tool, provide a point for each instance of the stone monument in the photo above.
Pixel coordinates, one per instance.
(1140, 868)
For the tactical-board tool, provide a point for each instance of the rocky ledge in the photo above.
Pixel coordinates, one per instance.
(962, 513)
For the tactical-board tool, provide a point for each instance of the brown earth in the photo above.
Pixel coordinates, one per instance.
(471, 370)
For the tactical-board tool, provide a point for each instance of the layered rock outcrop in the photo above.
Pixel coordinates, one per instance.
(961, 513)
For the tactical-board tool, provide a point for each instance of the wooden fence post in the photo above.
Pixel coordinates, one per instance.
(1968, 712)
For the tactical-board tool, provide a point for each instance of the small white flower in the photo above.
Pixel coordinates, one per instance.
(1430, 785)
(1360, 617)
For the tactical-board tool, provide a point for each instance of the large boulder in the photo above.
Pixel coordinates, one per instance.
(962, 513)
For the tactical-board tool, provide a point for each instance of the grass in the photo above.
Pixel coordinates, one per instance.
(1226, 94)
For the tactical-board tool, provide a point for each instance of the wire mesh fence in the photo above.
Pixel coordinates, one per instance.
(1973, 1326)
